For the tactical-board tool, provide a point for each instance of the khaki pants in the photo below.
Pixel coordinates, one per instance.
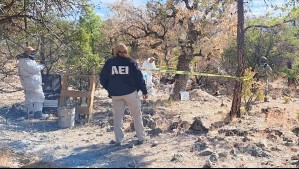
(134, 104)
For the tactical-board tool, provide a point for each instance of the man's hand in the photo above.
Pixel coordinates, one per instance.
(42, 67)
(265, 65)
(145, 96)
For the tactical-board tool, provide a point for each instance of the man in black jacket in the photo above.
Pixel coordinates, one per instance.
(122, 78)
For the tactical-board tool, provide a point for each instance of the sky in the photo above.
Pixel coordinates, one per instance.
(254, 7)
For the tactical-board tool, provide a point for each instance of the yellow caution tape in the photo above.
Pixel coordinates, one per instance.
(197, 74)
(179, 72)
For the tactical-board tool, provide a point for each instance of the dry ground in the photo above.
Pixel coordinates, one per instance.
(258, 139)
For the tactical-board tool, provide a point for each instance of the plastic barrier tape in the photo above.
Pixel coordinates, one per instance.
(197, 74)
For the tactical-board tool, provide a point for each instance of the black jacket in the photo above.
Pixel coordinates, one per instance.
(121, 76)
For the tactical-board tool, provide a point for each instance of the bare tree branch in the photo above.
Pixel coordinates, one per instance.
(9, 19)
(8, 6)
(268, 27)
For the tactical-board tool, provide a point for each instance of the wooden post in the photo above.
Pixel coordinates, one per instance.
(92, 86)
(63, 87)
(89, 95)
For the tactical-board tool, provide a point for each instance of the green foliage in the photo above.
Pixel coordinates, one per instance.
(260, 96)
(247, 85)
(292, 73)
(243, 110)
(287, 99)
(250, 92)
(277, 43)
(85, 56)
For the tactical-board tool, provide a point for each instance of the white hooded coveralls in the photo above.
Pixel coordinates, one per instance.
(31, 80)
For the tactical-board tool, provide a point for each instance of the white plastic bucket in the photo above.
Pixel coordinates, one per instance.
(184, 96)
(66, 117)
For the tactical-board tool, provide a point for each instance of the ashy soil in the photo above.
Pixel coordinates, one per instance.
(179, 134)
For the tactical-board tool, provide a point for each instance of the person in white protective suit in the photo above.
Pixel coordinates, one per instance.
(147, 67)
(31, 80)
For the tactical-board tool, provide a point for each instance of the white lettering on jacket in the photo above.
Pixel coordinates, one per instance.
(121, 70)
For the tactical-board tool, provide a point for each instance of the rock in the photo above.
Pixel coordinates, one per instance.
(276, 132)
(255, 151)
(25, 161)
(174, 125)
(295, 130)
(180, 125)
(217, 125)
(220, 112)
(214, 157)
(48, 159)
(206, 153)
(149, 122)
(235, 152)
(246, 139)
(149, 111)
(131, 144)
(152, 124)
(132, 164)
(110, 129)
(200, 146)
(111, 122)
(58, 148)
(294, 150)
(288, 144)
(233, 132)
(287, 139)
(2, 120)
(296, 157)
(275, 149)
(155, 132)
(127, 112)
(267, 163)
(176, 158)
(132, 128)
(296, 164)
(147, 103)
(155, 143)
(275, 110)
(223, 155)
(261, 145)
(198, 126)
(208, 164)
(272, 137)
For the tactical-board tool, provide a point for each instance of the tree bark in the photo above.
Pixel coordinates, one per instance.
(236, 104)
(187, 49)
(181, 80)
(25, 20)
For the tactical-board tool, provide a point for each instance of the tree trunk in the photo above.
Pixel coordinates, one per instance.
(181, 80)
(42, 51)
(236, 105)
(185, 59)
(25, 21)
